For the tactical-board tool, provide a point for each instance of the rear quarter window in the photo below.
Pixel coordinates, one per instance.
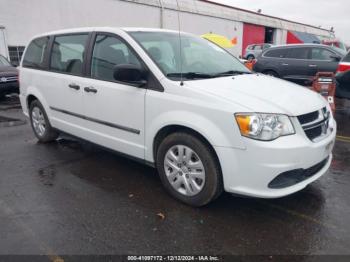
(275, 53)
(35, 54)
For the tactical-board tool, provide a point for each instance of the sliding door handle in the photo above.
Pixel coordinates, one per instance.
(90, 89)
(74, 86)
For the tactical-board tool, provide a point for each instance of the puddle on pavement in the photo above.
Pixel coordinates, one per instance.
(8, 121)
(10, 102)
(47, 176)
(341, 154)
(69, 143)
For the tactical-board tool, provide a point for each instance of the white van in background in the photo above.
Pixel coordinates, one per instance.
(187, 107)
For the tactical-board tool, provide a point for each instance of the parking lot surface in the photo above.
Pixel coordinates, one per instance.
(72, 197)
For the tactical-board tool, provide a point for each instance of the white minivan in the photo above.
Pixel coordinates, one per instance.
(182, 105)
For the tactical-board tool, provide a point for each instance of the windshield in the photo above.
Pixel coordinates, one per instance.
(200, 58)
(339, 51)
(347, 58)
(4, 62)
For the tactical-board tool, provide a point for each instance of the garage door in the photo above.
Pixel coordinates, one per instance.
(252, 34)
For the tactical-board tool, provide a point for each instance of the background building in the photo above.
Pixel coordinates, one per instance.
(22, 19)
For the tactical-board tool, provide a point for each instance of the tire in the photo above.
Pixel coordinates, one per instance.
(38, 117)
(250, 57)
(271, 73)
(200, 190)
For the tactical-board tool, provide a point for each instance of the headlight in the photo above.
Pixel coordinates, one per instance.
(264, 127)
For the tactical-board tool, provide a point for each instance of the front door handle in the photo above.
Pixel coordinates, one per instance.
(90, 89)
(74, 86)
(312, 65)
(284, 64)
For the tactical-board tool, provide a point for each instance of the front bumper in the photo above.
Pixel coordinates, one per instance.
(7, 88)
(250, 171)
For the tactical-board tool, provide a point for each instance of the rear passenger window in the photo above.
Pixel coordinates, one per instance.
(276, 53)
(322, 54)
(34, 56)
(68, 53)
(298, 53)
(108, 52)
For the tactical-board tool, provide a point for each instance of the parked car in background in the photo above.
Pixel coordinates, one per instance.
(8, 78)
(195, 121)
(298, 63)
(343, 78)
(253, 51)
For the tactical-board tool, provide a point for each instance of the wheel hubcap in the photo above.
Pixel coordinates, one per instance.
(184, 170)
(38, 121)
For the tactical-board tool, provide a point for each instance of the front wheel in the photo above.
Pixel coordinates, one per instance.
(189, 169)
(40, 123)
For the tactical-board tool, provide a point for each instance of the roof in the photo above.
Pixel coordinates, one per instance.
(143, 29)
(105, 29)
(252, 12)
(306, 45)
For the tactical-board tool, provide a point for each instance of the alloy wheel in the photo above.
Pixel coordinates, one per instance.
(184, 170)
(38, 121)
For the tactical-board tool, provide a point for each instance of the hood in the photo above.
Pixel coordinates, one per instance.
(8, 71)
(263, 94)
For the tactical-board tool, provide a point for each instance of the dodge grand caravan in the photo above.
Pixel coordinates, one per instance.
(188, 108)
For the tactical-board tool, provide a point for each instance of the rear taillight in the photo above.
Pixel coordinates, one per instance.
(343, 67)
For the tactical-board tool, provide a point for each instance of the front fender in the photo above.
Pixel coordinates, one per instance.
(209, 129)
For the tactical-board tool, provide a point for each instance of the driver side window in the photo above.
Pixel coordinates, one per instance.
(108, 52)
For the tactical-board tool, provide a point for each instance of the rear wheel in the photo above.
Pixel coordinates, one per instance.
(188, 169)
(40, 123)
(271, 73)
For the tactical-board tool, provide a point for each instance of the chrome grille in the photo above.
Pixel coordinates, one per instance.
(315, 124)
(8, 79)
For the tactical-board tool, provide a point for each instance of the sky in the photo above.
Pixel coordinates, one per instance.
(325, 13)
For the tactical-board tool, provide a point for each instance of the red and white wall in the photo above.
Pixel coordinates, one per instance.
(197, 16)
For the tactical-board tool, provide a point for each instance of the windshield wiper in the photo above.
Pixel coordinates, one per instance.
(195, 75)
(190, 75)
(231, 73)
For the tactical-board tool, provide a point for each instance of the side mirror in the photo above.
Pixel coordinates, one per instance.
(336, 58)
(130, 73)
(14, 64)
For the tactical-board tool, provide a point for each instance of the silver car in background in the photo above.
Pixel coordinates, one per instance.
(253, 51)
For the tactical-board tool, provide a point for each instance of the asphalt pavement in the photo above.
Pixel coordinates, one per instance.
(72, 197)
